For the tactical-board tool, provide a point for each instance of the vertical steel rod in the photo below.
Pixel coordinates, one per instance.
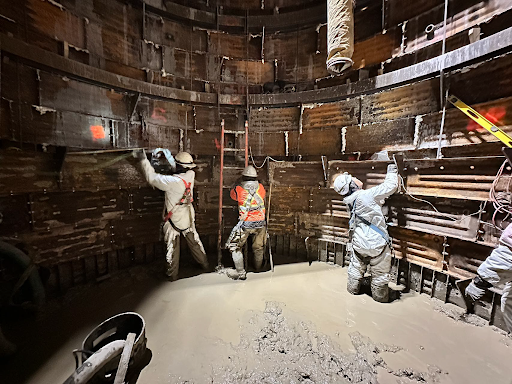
(221, 181)
(246, 143)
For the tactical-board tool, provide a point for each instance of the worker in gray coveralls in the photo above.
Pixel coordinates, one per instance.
(369, 239)
(496, 270)
(179, 214)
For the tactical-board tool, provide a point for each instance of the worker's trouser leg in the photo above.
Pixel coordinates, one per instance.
(196, 246)
(172, 258)
(356, 269)
(238, 238)
(172, 239)
(495, 270)
(380, 267)
(258, 246)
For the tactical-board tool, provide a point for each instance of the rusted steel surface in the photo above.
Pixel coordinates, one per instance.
(318, 142)
(418, 248)
(303, 173)
(386, 135)
(274, 119)
(15, 215)
(331, 115)
(77, 208)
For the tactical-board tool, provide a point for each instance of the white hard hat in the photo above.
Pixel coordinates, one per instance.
(250, 171)
(185, 160)
(342, 183)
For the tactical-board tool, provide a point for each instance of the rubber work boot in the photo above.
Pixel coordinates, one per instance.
(236, 275)
(462, 285)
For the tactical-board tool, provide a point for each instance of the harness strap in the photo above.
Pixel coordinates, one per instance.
(354, 215)
(183, 199)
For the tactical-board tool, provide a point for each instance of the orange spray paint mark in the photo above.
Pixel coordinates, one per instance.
(493, 114)
(157, 114)
(217, 144)
(98, 132)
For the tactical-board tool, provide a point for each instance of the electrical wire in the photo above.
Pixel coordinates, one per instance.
(441, 83)
(501, 200)
(463, 216)
(264, 161)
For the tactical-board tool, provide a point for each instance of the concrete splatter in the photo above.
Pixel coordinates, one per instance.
(275, 349)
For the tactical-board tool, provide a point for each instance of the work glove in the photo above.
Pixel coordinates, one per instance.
(139, 154)
(392, 168)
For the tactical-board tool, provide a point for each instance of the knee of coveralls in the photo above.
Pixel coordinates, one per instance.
(258, 247)
(235, 246)
(380, 266)
(355, 272)
(506, 305)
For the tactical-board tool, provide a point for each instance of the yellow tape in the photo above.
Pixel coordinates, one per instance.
(480, 120)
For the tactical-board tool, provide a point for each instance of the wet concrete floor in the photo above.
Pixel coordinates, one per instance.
(297, 325)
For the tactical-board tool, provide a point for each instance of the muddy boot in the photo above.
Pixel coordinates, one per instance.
(380, 293)
(462, 285)
(6, 347)
(236, 275)
(353, 285)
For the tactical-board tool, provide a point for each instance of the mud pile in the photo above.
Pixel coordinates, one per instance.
(275, 349)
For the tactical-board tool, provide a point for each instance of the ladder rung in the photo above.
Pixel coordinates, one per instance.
(234, 149)
(235, 132)
(233, 167)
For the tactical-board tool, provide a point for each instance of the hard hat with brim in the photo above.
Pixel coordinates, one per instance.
(250, 171)
(185, 160)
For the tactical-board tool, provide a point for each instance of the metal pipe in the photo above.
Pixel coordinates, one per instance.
(246, 143)
(221, 181)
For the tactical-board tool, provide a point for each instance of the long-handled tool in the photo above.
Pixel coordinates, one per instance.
(268, 236)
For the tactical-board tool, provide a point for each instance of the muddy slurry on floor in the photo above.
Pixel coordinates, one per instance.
(275, 348)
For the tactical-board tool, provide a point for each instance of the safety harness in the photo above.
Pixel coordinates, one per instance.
(187, 198)
(354, 216)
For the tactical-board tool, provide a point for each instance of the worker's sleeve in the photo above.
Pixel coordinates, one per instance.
(157, 180)
(388, 187)
(233, 194)
(261, 191)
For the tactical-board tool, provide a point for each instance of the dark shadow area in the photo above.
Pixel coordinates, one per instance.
(39, 336)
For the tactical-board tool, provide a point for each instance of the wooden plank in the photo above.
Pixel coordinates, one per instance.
(125, 359)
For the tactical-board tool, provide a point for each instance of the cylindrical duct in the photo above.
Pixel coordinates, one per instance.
(340, 35)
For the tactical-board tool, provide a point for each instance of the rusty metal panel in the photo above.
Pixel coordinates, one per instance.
(331, 115)
(133, 230)
(267, 143)
(460, 130)
(49, 19)
(53, 210)
(465, 257)
(376, 49)
(371, 173)
(458, 178)
(251, 71)
(282, 222)
(101, 171)
(398, 11)
(146, 201)
(453, 219)
(14, 215)
(189, 65)
(24, 172)
(315, 142)
(274, 119)
(418, 248)
(407, 101)
(324, 226)
(387, 135)
(302, 173)
(289, 199)
(233, 46)
(163, 137)
(327, 201)
(204, 143)
(69, 242)
(464, 14)
(63, 94)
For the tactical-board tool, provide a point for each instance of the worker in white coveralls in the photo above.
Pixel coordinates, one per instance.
(250, 195)
(369, 240)
(496, 270)
(179, 214)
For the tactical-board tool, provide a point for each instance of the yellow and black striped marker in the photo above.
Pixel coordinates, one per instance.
(480, 120)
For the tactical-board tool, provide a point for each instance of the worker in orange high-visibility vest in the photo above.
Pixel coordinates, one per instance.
(179, 215)
(250, 196)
